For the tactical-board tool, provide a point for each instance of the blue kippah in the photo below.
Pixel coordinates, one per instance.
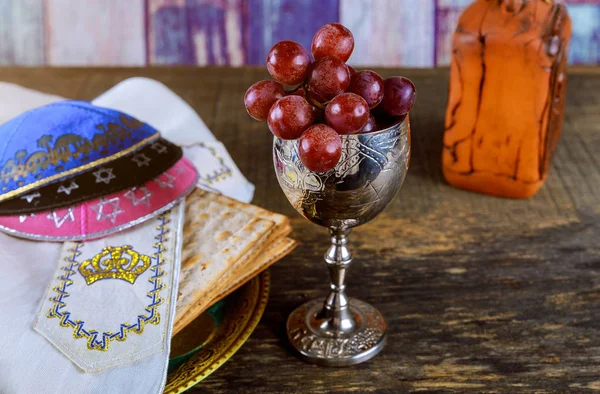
(58, 140)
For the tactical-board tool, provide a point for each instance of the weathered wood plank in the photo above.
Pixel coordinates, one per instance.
(390, 32)
(481, 294)
(446, 18)
(270, 21)
(21, 32)
(95, 33)
(237, 32)
(585, 42)
(192, 32)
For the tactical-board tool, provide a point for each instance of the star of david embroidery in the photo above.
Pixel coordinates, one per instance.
(145, 199)
(180, 169)
(141, 160)
(67, 190)
(110, 216)
(58, 221)
(22, 218)
(31, 197)
(104, 175)
(159, 148)
(170, 182)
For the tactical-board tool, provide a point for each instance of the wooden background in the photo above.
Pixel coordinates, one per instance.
(481, 294)
(409, 33)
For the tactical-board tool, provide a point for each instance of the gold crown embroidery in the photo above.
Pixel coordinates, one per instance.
(66, 148)
(101, 340)
(121, 262)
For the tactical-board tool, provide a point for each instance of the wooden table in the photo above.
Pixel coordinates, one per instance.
(481, 294)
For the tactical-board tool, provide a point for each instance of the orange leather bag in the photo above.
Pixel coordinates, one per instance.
(507, 90)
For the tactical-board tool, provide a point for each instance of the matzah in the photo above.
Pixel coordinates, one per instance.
(223, 240)
(271, 255)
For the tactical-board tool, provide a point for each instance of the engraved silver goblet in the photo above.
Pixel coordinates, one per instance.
(342, 331)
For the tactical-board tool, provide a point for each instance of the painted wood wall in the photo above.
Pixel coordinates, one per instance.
(411, 33)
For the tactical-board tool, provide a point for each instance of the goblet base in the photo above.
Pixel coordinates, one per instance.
(317, 342)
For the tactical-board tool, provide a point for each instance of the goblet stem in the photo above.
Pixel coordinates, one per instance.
(340, 331)
(336, 317)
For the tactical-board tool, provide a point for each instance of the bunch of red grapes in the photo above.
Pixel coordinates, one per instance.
(325, 98)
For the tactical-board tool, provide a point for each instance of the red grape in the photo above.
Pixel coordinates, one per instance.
(368, 85)
(318, 112)
(371, 125)
(398, 96)
(333, 40)
(320, 148)
(288, 62)
(289, 117)
(327, 78)
(347, 113)
(352, 70)
(261, 96)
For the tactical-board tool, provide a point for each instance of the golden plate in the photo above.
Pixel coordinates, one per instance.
(215, 336)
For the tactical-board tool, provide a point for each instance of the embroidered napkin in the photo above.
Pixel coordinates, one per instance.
(151, 101)
(112, 300)
(28, 362)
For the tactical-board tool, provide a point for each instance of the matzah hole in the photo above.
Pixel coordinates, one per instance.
(224, 235)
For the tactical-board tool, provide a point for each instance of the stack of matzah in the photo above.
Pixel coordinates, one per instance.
(225, 244)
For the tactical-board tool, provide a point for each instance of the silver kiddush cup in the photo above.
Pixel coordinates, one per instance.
(342, 331)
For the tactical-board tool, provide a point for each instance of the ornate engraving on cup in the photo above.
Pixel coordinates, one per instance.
(342, 331)
(312, 343)
(370, 172)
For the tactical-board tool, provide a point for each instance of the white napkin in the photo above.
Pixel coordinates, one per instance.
(153, 103)
(111, 301)
(28, 362)
(16, 99)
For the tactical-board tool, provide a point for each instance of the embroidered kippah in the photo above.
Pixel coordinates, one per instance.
(62, 139)
(125, 172)
(108, 214)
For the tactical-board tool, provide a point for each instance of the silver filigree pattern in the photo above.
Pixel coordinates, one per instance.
(159, 148)
(141, 160)
(370, 171)
(104, 175)
(143, 199)
(59, 221)
(31, 197)
(342, 331)
(67, 189)
(179, 169)
(167, 182)
(370, 333)
(101, 209)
